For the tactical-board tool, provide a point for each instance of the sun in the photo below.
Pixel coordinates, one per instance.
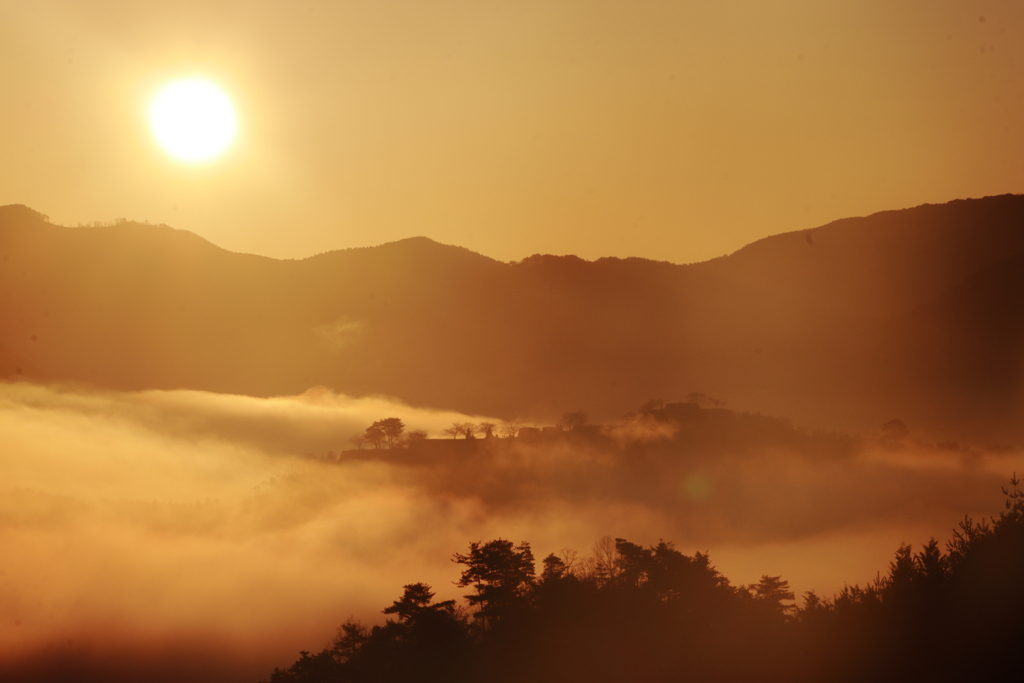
(193, 119)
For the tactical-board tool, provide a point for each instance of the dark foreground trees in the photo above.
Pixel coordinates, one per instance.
(501, 575)
(633, 613)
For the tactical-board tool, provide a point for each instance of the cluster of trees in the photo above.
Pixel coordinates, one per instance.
(705, 401)
(894, 431)
(509, 429)
(741, 431)
(654, 614)
(571, 421)
(468, 430)
(389, 432)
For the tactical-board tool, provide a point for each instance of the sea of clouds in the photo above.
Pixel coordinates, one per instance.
(141, 529)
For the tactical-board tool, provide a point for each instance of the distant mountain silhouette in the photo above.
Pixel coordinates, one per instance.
(913, 314)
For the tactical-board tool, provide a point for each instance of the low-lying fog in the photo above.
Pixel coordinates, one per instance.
(170, 524)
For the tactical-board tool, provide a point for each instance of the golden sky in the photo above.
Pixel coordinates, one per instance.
(670, 130)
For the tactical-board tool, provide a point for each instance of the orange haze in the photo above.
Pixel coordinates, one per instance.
(164, 522)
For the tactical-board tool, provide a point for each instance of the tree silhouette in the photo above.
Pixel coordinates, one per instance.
(460, 428)
(415, 601)
(575, 420)
(392, 428)
(770, 592)
(415, 437)
(375, 435)
(605, 559)
(351, 636)
(555, 568)
(696, 397)
(510, 428)
(501, 575)
(894, 431)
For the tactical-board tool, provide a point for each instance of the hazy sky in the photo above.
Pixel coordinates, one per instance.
(670, 130)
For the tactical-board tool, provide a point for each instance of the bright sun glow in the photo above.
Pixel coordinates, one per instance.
(193, 119)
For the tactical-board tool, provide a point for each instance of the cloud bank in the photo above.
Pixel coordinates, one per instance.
(138, 526)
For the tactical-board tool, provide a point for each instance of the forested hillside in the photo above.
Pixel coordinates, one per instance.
(655, 614)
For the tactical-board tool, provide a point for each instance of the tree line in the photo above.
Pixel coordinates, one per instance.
(634, 613)
(390, 431)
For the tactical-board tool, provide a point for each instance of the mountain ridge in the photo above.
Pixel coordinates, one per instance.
(835, 326)
(21, 213)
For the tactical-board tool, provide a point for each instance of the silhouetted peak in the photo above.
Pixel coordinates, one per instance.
(425, 246)
(407, 250)
(879, 265)
(419, 241)
(597, 276)
(19, 213)
(926, 220)
(552, 261)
